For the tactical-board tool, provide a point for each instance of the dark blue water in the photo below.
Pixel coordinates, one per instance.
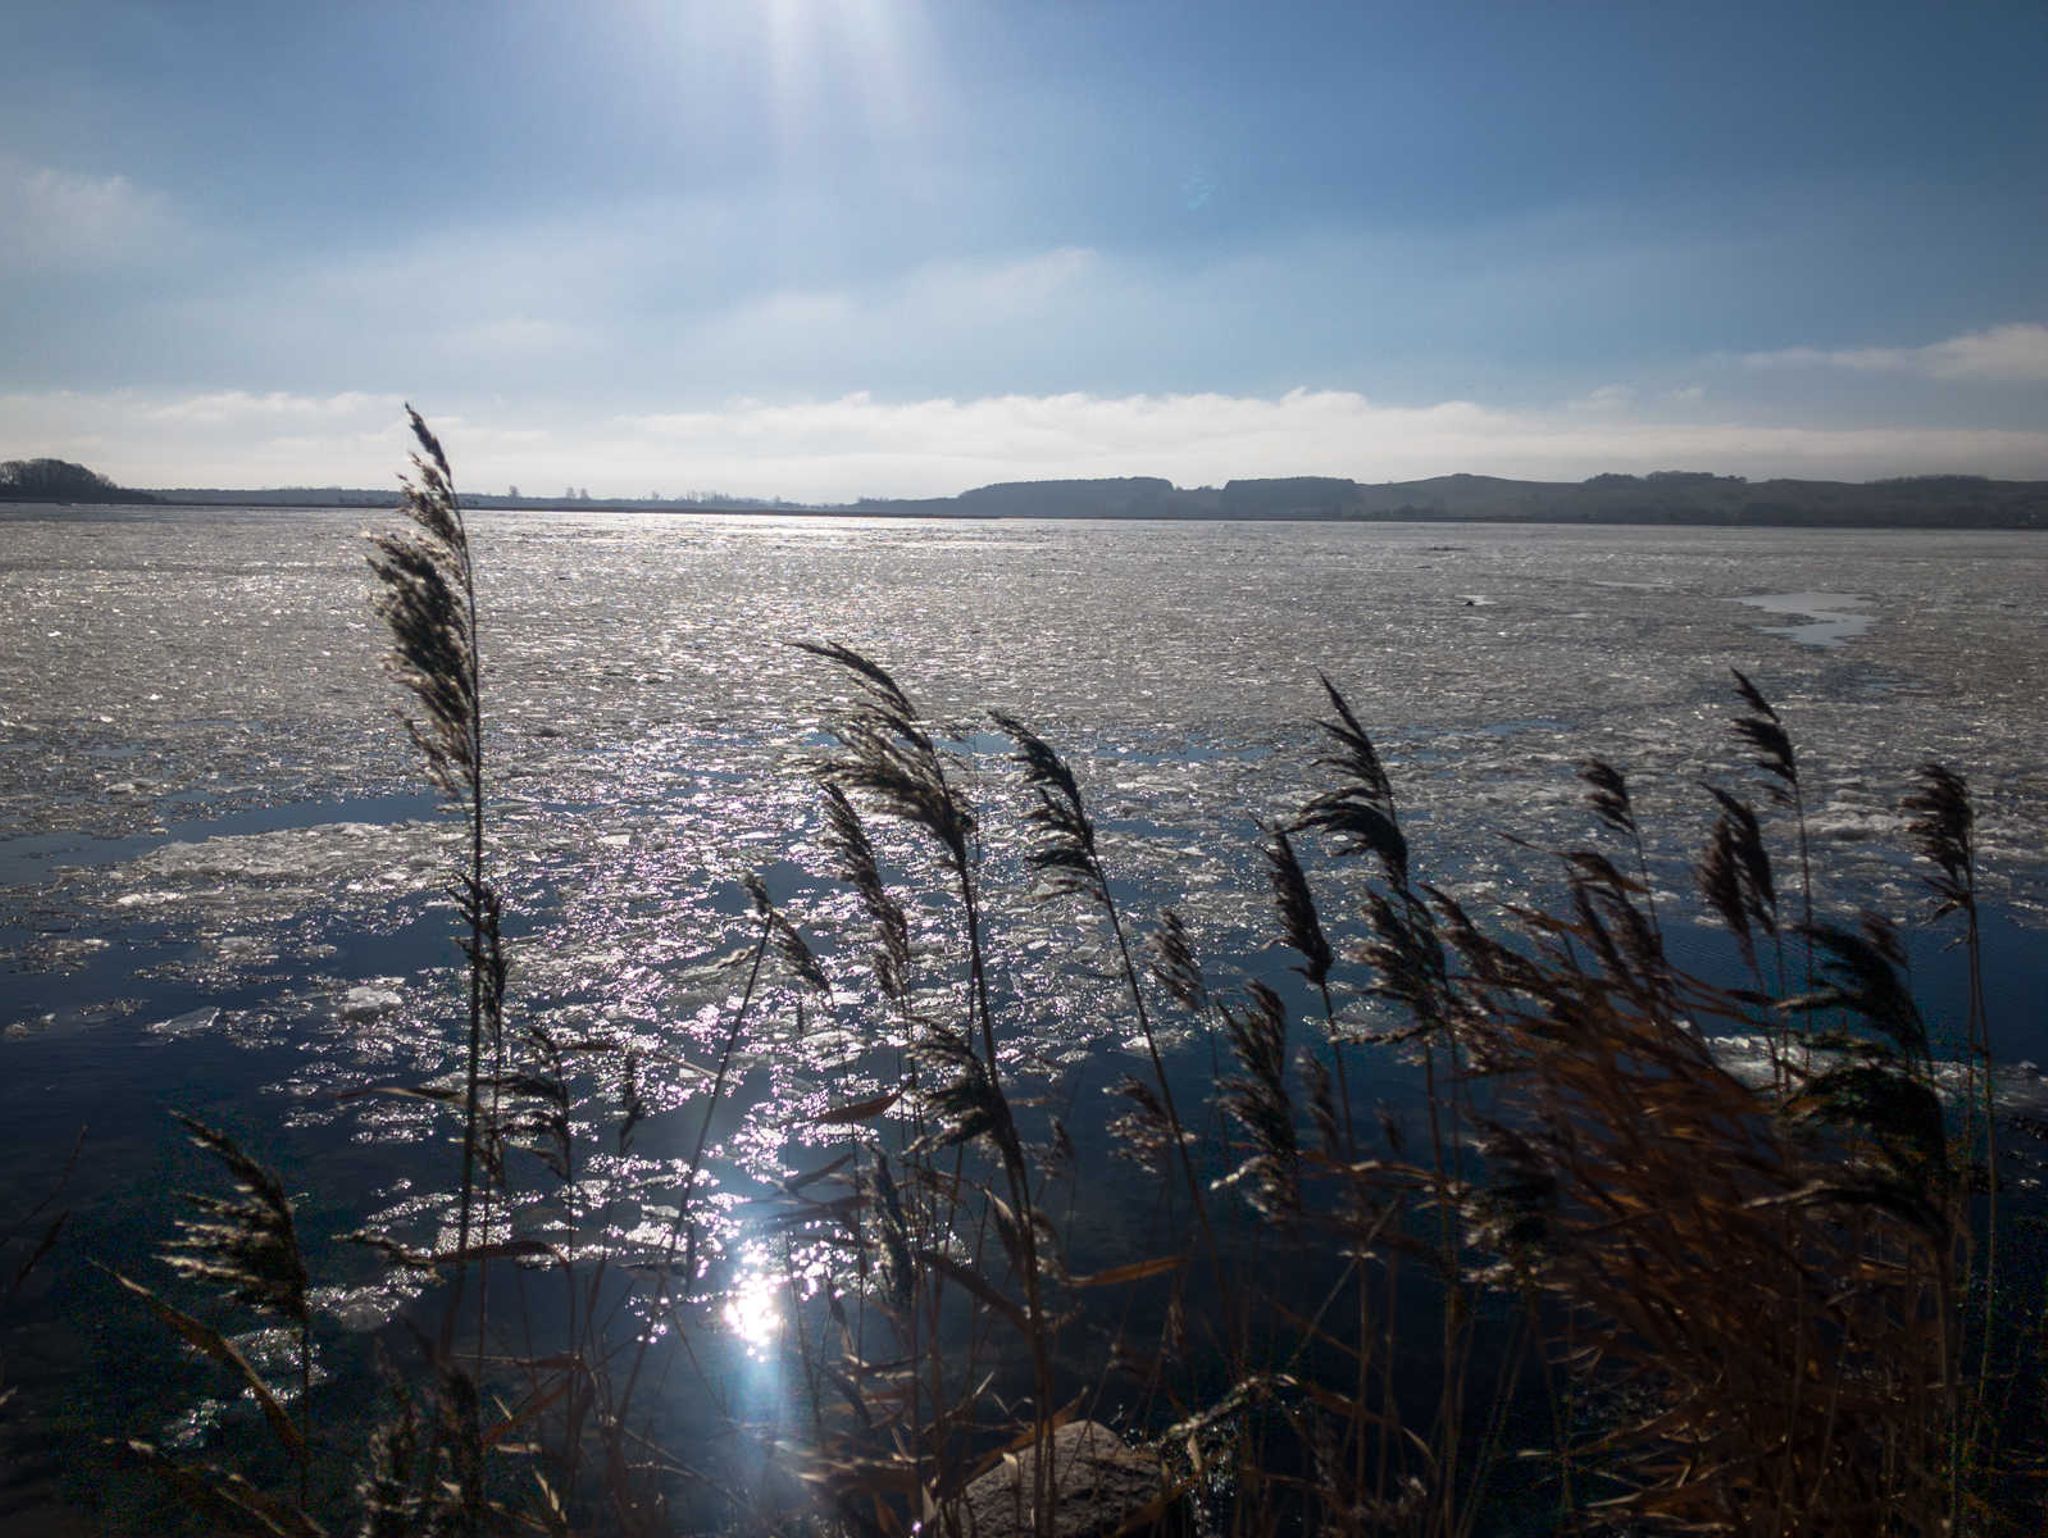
(222, 889)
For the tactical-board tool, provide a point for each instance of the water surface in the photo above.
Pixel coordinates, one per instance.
(222, 887)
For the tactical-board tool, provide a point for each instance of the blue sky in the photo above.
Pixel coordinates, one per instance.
(831, 247)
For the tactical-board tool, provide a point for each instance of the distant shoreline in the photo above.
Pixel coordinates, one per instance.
(1932, 523)
(1670, 498)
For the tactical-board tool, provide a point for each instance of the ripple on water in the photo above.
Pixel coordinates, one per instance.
(235, 851)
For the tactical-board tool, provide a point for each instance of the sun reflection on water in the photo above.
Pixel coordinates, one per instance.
(753, 1309)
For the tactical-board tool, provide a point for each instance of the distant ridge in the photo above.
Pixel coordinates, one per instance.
(1662, 497)
(1665, 497)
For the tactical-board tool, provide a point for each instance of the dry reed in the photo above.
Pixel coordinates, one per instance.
(1713, 1306)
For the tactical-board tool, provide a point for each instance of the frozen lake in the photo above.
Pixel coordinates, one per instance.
(221, 881)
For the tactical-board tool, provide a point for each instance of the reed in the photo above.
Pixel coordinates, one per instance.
(246, 1246)
(427, 600)
(1613, 1278)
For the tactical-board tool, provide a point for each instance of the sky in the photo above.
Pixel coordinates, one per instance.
(830, 248)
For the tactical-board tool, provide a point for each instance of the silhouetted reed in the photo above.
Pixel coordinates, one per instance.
(1618, 1276)
(246, 1246)
(427, 599)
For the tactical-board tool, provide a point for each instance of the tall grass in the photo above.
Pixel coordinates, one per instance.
(1611, 1284)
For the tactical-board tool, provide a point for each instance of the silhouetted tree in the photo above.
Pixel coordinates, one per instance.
(55, 480)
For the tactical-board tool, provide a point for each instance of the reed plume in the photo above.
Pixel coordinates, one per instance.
(1069, 862)
(888, 755)
(1175, 965)
(1064, 855)
(1941, 821)
(1942, 825)
(846, 837)
(1775, 1298)
(245, 1245)
(1735, 875)
(1763, 731)
(1257, 1097)
(1144, 1130)
(427, 600)
(1608, 797)
(1359, 810)
(785, 939)
(1301, 926)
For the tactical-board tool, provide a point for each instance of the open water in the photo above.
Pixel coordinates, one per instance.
(222, 879)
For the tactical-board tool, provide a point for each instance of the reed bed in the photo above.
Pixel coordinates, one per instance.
(1599, 1282)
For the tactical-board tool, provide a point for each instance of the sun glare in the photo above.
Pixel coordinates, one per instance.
(831, 58)
(753, 1310)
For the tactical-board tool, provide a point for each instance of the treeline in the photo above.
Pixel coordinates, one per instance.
(59, 480)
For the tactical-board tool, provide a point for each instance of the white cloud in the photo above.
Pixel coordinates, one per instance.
(241, 409)
(860, 445)
(1606, 398)
(943, 304)
(2004, 352)
(212, 438)
(2017, 352)
(58, 219)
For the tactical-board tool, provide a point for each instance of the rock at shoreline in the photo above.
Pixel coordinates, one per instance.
(1102, 1486)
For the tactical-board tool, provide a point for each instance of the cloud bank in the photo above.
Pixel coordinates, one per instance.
(2011, 354)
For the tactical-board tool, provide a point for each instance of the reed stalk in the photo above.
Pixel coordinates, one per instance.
(427, 599)
(1769, 1288)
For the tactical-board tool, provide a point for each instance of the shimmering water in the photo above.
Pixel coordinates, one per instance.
(221, 884)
